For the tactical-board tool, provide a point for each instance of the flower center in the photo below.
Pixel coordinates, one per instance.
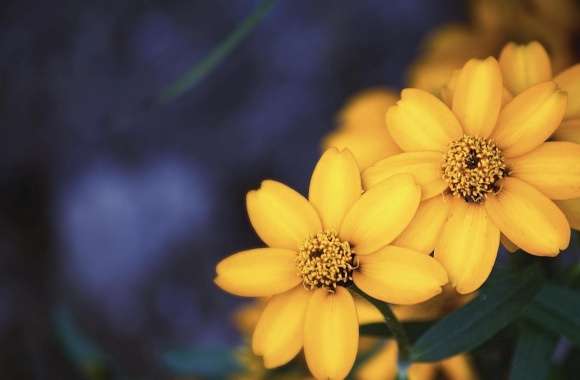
(325, 261)
(472, 168)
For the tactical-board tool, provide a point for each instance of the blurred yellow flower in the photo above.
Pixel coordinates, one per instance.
(494, 22)
(383, 364)
(484, 167)
(316, 248)
(524, 66)
(361, 127)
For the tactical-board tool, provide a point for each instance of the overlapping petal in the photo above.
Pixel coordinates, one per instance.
(569, 130)
(279, 334)
(281, 217)
(420, 122)
(569, 81)
(553, 168)
(368, 146)
(330, 334)
(425, 167)
(334, 187)
(258, 272)
(528, 218)
(523, 66)
(424, 230)
(381, 214)
(468, 246)
(529, 119)
(571, 208)
(400, 276)
(478, 95)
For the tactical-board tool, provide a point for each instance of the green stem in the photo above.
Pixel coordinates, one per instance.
(206, 65)
(396, 329)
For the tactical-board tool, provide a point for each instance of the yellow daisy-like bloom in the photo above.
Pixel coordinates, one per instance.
(383, 365)
(524, 66)
(361, 127)
(317, 247)
(494, 22)
(484, 167)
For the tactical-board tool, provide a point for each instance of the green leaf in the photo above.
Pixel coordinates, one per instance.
(557, 309)
(200, 70)
(414, 329)
(534, 349)
(499, 303)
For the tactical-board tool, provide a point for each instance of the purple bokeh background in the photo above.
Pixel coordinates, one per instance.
(119, 207)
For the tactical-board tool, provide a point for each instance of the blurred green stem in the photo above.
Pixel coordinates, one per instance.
(396, 329)
(207, 64)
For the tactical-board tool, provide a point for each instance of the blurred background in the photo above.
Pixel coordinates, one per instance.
(114, 208)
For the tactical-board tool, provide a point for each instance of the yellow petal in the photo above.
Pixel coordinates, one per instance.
(448, 90)
(281, 217)
(400, 276)
(382, 365)
(330, 334)
(367, 145)
(424, 230)
(381, 214)
(571, 208)
(569, 130)
(478, 96)
(468, 246)
(508, 244)
(458, 367)
(279, 333)
(334, 187)
(523, 66)
(529, 119)
(366, 311)
(258, 272)
(569, 81)
(425, 167)
(420, 121)
(367, 109)
(528, 218)
(553, 168)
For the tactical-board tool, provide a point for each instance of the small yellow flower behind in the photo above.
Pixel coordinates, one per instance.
(493, 23)
(317, 248)
(361, 127)
(383, 364)
(484, 167)
(524, 66)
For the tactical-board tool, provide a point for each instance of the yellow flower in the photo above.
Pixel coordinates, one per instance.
(484, 167)
(316, 248)
(383, 366)
(524, 66)
(361, 127)
(494, 22)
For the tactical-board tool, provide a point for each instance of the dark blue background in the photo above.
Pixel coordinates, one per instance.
(116, 209)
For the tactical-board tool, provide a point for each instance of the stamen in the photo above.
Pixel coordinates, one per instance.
(472, 168)
(325, 261)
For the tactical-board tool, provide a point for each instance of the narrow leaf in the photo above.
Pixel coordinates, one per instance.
(499, 303)
(532, 358)
(200, 70)
(414, 329)
(558, 310)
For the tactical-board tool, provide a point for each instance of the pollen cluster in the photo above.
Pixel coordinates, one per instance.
(325, 261)
(472, 168)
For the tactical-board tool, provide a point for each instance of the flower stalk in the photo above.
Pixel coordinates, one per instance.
(396, 328)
